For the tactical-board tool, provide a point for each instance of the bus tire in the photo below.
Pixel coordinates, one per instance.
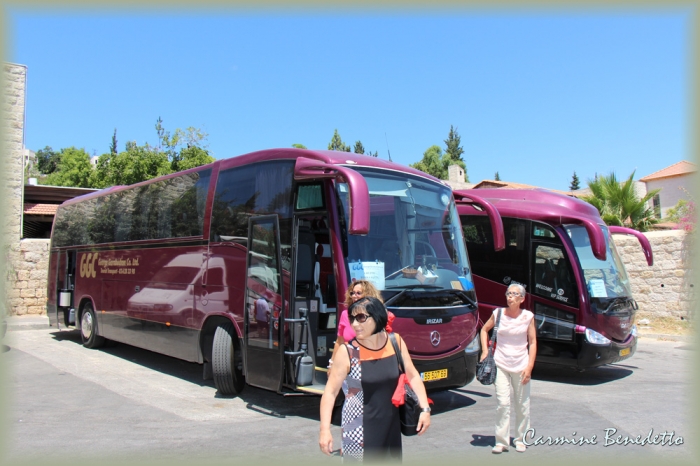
(88, 328)
(228, 377)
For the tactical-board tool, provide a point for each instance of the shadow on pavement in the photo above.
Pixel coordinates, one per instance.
(261, 401)
(597, 376)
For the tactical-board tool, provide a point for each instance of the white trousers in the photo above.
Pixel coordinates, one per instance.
(505, 383)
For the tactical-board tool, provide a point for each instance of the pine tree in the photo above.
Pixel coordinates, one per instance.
(113, 145)
(337, 143)
(496, 177)
(452, 142)
(574, 183)
(359, 148)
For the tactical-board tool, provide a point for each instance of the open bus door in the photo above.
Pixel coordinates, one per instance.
(264, 316)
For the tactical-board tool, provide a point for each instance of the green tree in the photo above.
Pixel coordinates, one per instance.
(496, 177)
(113, 146)
(191, 157)
(74, 169)
(299, 146)
(436, 163)
(618, 203)
(359, 148)
(135, 164)
(575, 184)
(337, 143)
(47, 160)
(453, 141)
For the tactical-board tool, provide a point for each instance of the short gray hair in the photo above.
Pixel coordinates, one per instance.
(520, 288)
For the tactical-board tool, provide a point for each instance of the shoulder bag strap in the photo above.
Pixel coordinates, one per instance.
(397, 351)
(494, 335)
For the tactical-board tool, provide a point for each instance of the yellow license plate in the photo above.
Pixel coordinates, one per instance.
(434, 375)
(624, 352)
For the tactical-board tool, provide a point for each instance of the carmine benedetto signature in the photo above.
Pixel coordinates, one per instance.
(609, 438)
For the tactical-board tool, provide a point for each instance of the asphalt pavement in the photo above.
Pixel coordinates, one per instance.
(67, 403)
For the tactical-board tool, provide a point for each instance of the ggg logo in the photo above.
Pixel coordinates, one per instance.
(87, 265)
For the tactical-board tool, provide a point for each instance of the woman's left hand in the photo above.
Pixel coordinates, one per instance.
(423, 423)
(525, 376)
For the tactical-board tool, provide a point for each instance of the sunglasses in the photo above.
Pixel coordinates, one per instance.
(361, 318)
(356, 293)
(513, 294)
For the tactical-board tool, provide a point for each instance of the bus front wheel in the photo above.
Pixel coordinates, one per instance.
(88, 328)
(228, 377)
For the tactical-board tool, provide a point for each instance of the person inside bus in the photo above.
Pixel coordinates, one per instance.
(516, 347)
(368, 371)
(359, 289)
(262, 314)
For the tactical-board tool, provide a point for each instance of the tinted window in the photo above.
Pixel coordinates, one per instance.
(553, 277)
(505, 266)
(260, 189)
(172, 208)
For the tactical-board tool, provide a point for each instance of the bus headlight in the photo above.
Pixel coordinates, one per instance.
(596, 338)
(474, 346)
(633, 332)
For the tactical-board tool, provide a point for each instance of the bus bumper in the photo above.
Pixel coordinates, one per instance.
(461, 368)
(591, 355)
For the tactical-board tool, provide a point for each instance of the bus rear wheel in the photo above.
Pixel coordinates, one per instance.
(88, 328)
(228, 377)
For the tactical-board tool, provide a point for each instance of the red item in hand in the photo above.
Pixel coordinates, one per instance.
(389, 320)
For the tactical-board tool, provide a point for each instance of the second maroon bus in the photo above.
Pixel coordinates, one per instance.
(559, 248)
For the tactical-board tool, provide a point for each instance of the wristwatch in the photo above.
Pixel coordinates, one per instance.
(425, 410)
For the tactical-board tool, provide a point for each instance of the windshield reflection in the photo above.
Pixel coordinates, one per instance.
(415, 238)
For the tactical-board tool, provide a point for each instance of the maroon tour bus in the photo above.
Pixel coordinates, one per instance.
(242, 266)
(559, 248)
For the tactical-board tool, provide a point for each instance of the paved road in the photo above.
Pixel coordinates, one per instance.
(123, 403)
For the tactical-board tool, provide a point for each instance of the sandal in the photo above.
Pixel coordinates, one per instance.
(520, 447)
(499, 449)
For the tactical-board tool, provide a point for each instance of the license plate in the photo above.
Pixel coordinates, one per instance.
(434, 375)
(624, 352)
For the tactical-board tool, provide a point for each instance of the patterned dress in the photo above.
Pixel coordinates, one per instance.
(370, 422)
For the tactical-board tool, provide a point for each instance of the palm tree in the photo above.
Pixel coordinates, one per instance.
(619, 204)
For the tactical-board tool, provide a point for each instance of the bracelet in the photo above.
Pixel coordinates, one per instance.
(425, 410)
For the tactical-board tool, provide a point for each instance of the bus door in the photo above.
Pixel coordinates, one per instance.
(554, 295)
(65, 286)
(264, 315)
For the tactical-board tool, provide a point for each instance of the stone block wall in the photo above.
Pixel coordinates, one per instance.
(27, 275)
(666, 289)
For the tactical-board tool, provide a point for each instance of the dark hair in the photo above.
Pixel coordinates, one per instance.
(374, 308)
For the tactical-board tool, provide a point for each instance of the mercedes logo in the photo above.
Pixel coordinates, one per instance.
(435, 338)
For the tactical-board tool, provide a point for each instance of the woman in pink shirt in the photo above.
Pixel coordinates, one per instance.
(516, 347)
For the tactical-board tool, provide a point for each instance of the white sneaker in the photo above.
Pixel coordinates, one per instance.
(499, 449)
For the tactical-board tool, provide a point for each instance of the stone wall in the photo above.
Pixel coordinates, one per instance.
(666, 289)
(28, 274)
(11, 176)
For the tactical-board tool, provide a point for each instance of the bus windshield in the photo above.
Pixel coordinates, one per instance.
(415, 237)
(607, 281)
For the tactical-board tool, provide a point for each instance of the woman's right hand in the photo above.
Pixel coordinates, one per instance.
(325, 441)
(483, 355)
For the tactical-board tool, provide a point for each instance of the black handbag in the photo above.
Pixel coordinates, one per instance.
(486, 369)
(410, 410)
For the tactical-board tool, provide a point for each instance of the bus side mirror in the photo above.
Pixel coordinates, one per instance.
(309, 169)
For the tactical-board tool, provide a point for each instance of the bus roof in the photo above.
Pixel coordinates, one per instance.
(332, 157)
(536, 204)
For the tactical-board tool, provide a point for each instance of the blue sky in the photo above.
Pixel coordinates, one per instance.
(534, 94)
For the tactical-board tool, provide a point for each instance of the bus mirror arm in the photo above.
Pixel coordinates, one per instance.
(499, 239)
(646, 246)
(306, 168)
(595, 232)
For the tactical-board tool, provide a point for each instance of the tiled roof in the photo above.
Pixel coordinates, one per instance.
(488, 184)
(681, 168)
(31, 208)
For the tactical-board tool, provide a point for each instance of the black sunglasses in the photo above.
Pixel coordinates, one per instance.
(361, 318)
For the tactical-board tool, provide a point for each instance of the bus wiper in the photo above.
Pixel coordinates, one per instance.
(404, 290)
(465, 296)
